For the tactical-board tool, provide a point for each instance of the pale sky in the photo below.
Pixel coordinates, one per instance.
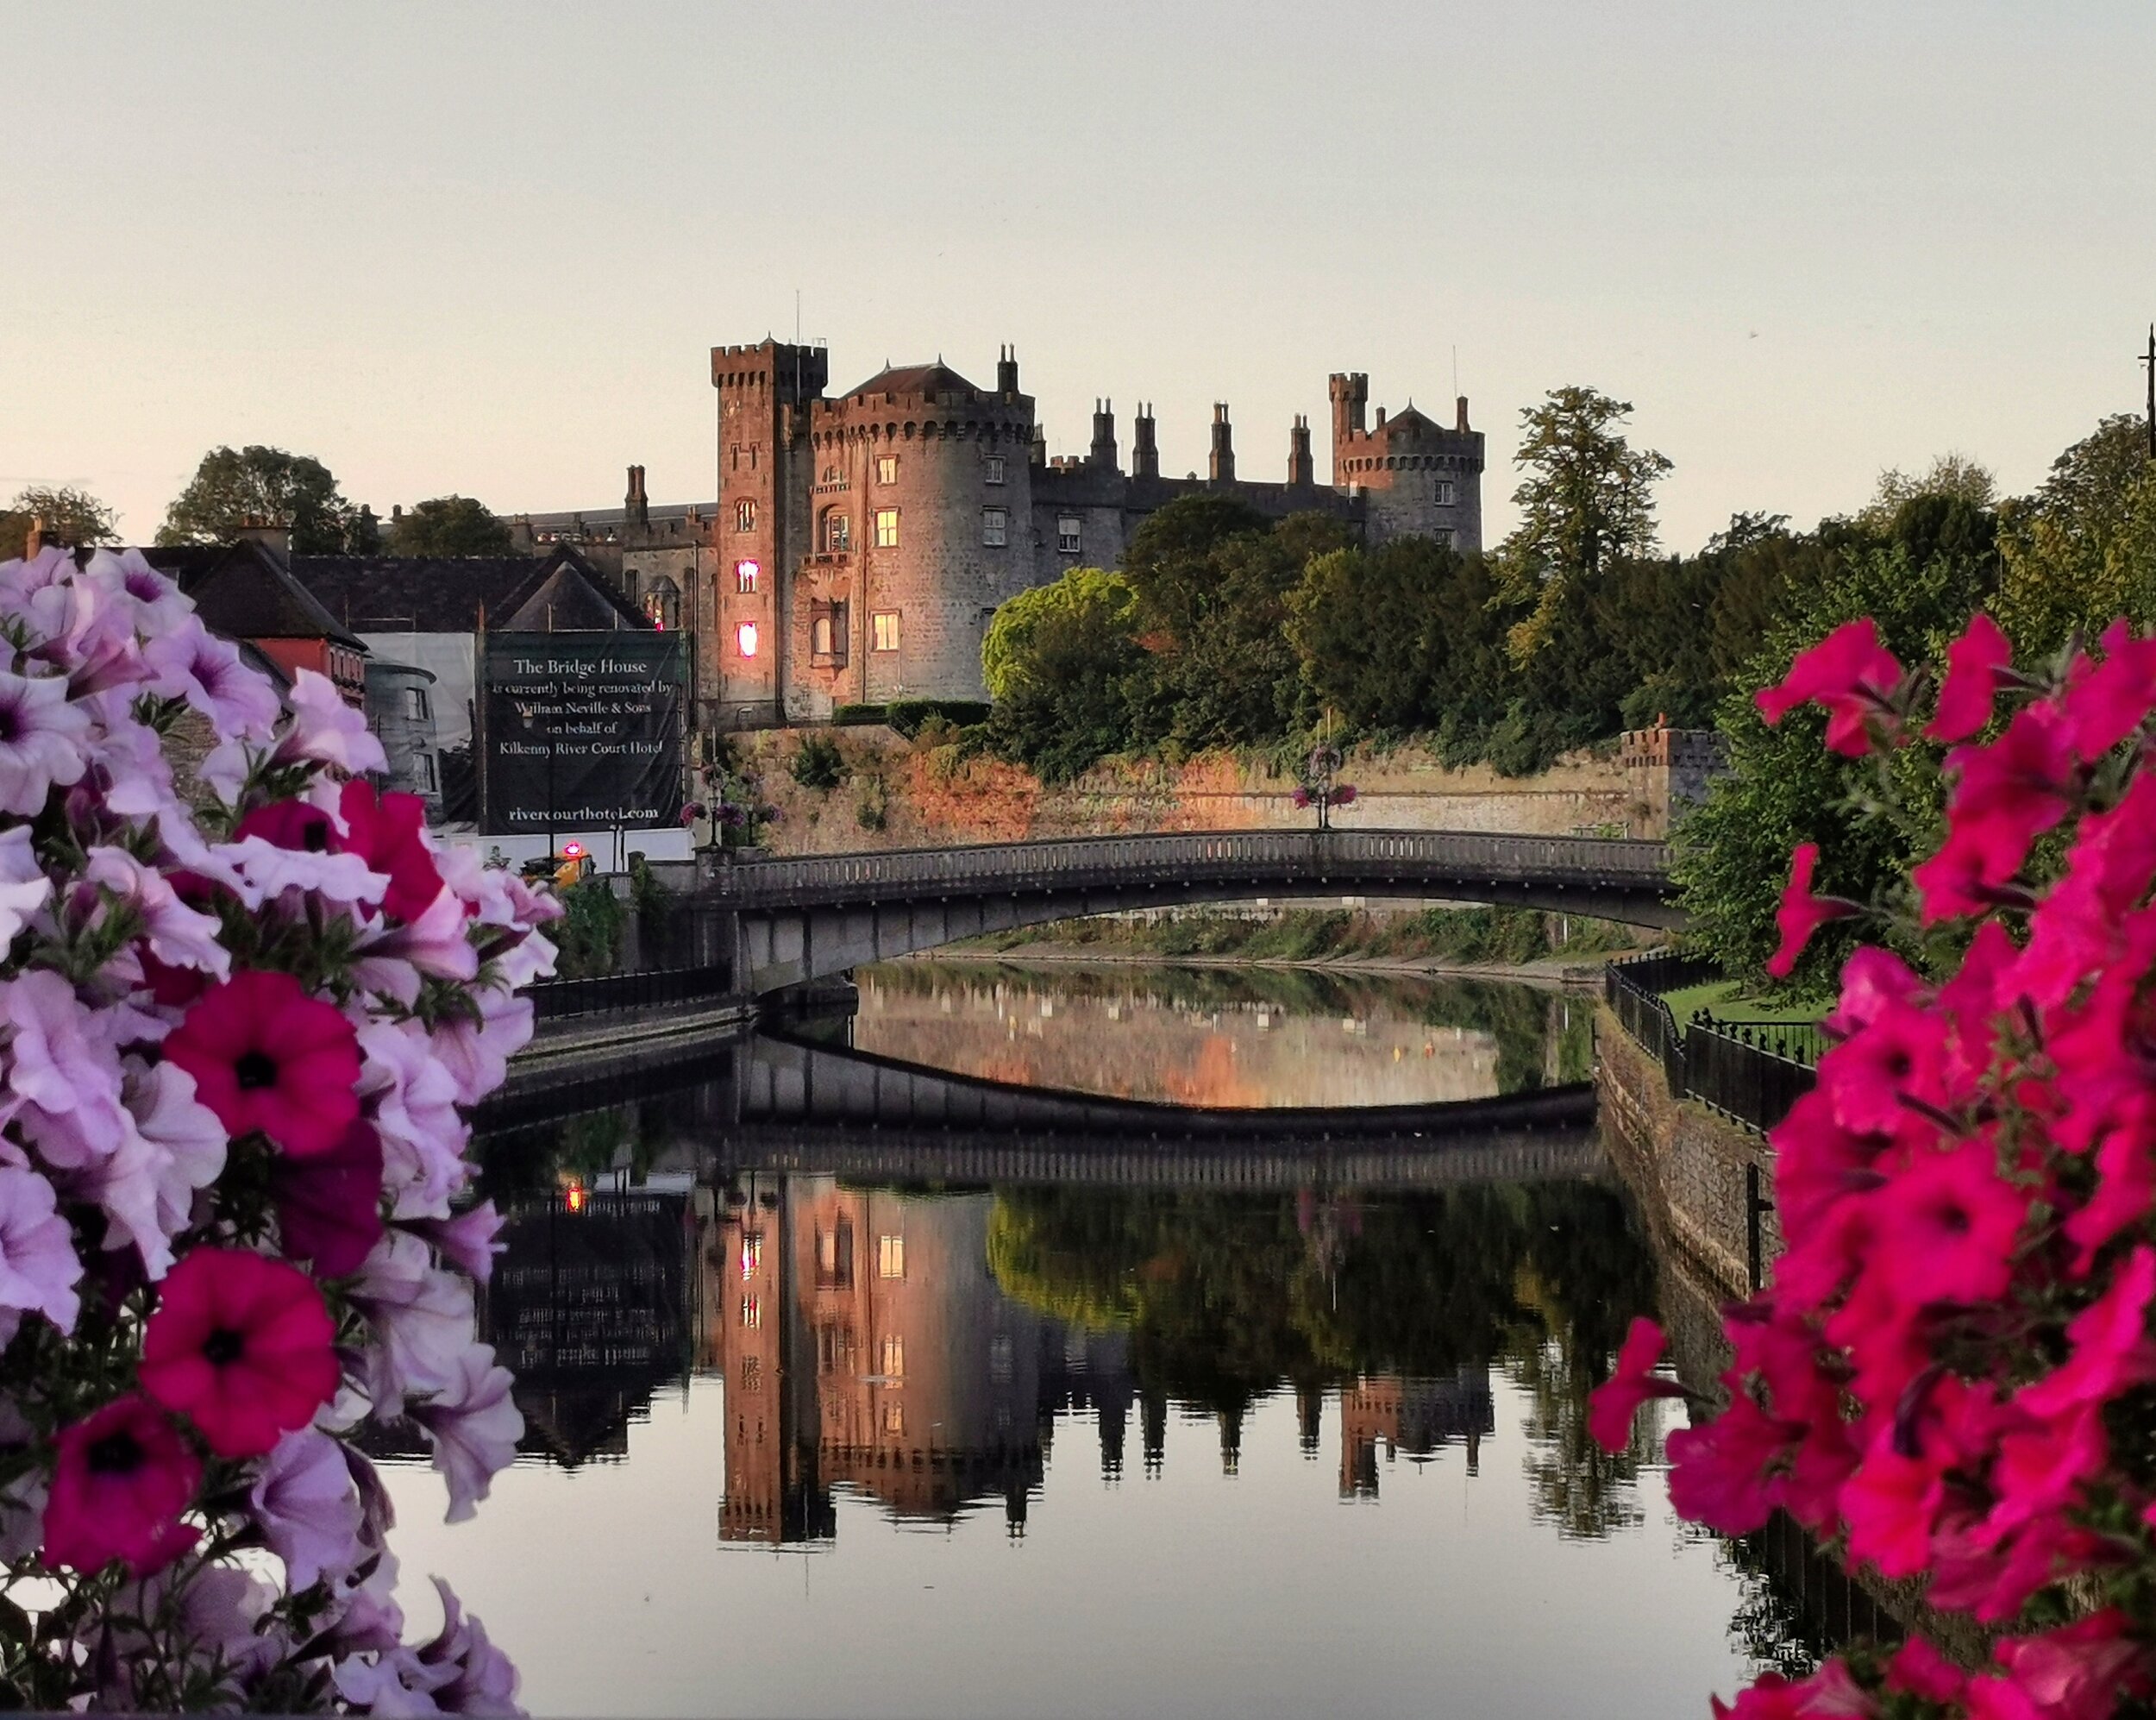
(486, 248)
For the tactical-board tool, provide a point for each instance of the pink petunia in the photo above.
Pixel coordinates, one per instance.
(1617, 1400)
(2109, 1349)
(1849, 673)
(1953, 1221)
(241, 1345)
(2106, 704)
(265, 1056)
(1801, 912)
(1719, 1473)
(2007, 794)
(1974, 663)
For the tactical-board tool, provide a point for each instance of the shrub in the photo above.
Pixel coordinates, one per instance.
(819, 766)
(908, 715)
(856, 716)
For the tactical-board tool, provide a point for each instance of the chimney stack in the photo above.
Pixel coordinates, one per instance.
(1459, 414)
(1299, 469)
(1144, 451)
(277, 539)
(1103, 452)
(1036, 456)
(1223, 465)
(1007, 370)
(636, 504)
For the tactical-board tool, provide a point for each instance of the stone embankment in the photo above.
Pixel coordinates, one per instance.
(897, 794)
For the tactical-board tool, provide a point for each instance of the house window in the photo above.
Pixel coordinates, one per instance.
(838, 531)
(416, 705)
(894, 1358)
(745, 638)
(835, 1256)
(890, 1256)
(745, 516)
(992, 469)
(751, 1254)
(1069, 528)
(745, 577)
(827, 634)
(886, 528)
(884, 625)
(1444, 493)
(894, 1416)
(886, 468)
(995, 527)
(751, 1314)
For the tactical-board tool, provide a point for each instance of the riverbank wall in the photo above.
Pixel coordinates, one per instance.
(893, 793)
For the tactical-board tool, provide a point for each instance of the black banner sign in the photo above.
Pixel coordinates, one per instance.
(583, 731)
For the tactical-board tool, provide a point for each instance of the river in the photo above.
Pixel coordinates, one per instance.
(1048, 1432)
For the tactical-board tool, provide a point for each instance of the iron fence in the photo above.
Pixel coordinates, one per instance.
(1751, 1072)
(645, 989)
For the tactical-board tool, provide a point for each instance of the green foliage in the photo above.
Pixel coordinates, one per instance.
(1061, 658)
(234, 489)
(449, 526)
(2082, 551)
(910, 716)
(1785, 787)
(856, 716)
(69, 516)
(819, 766)
(1588, 499)
(589, 934)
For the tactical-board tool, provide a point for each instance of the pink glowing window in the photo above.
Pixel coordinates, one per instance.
(745, 637)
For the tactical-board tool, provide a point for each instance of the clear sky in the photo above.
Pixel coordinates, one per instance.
(486, 247)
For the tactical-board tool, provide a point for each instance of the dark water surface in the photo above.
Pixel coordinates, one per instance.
(805, 1440)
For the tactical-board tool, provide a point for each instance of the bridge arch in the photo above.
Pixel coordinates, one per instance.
(792, 921)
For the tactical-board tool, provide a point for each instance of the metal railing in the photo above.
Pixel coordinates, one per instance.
(1751, 1072)
(1294, 855)
(646, 989)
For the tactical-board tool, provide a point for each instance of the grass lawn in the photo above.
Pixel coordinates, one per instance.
(1723, 1000)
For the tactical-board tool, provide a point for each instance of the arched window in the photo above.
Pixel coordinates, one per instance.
(745, 515)
(835, 530)
(745, 639)
(662, 605)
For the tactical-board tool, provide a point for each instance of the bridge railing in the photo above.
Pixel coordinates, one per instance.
(1751, 1072)
(1323, 856)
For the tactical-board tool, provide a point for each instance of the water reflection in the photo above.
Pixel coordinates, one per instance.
(1220, 1037)
(1054, 1445)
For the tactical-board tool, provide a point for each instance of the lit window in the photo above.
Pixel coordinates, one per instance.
(1067, 528)
(886, 624)
(838, 531)
(886, 528)
(894, 1416)
(992, 469)
(745, 577)
(745, 516)
(890, 1256)
(887, 468)
(751, 1252)
(1444, 493)
(751, 1314)
(745, 638)
(995, 527)
(894, 1358)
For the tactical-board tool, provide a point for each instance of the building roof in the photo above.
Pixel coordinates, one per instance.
(916, 378)
(446, 594)
(1410, 416)
(602, 519)
(244, 590)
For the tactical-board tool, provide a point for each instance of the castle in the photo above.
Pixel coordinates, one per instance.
(861, 542)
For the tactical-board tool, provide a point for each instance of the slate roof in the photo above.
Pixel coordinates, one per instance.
(929, 379)
(242, 591)
(444, 594)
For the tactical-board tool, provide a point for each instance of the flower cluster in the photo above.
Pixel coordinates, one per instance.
(1950, 1371)
(236, 1039)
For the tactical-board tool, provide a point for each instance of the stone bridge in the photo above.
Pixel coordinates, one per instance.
(791, 921)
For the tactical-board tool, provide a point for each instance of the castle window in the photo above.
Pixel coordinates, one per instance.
(884, 631)
(745, 516)
(1444, 493)
(890, 1256)
(886, 528)
(838, 531)
(992, 469)
(745, 578)
(663, 605)
(995, 527)
(1069, 530)
(894, 1358)
(745, 639)
(416, 705)
(1450, 538)
(427, 782)
(886, 468)
(894, 1416)
(827, 635)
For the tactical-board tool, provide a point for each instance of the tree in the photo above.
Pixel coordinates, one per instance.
(1952, 475)
(1588, 498)
(449, 526)
(2082, 551)
(254, 486)
(65, 515)
(1058, 661)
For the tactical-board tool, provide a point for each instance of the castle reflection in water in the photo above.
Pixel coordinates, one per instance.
(865, 1346)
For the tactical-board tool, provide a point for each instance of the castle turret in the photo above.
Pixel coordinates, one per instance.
(1301, 472)
(1222, 468)
(1103, 452)
(1144, 451)
(1349, 390)
(1007, 370)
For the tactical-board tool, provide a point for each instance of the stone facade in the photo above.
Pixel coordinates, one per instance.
(1671, 769)
(861, 542)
